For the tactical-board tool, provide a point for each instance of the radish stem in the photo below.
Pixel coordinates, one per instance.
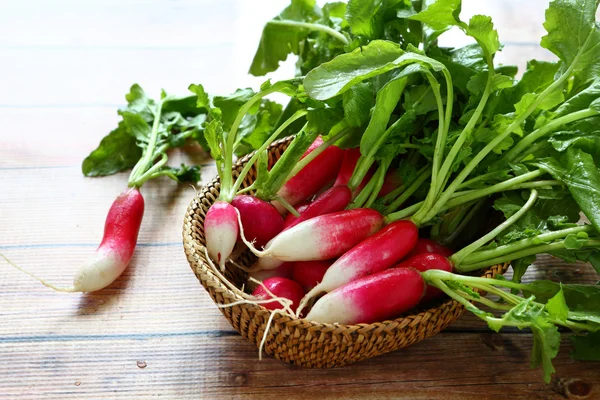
(313, 27)
(458, 257)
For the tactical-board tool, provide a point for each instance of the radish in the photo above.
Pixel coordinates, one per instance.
(116, 249)
(347, 168)
(374, 254)
(332, 200)
(221, 222)
(391, 182)
(261, 221)
(373, 298)
(429, 246)
(221, 231)
(290, 218)
(316, 175)
(283, 271)
(309, 273)
(424, 262)
(280, 287)
(323, 237)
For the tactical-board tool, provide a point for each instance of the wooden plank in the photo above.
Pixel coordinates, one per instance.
(219, 365)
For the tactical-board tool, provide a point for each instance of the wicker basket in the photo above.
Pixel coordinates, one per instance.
(299, 341)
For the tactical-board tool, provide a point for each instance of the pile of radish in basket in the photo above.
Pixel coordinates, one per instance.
(404, 156)
(412, 167)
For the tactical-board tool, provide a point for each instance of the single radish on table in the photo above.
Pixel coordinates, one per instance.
(376, 253)
(309, 273)
(373, 298)
(280, 287)
(144, 150)
(323, 237)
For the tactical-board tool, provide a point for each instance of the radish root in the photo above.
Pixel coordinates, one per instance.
(306, 299)
(42, 281)
(216, 271)
(250, 245)
(248, 299)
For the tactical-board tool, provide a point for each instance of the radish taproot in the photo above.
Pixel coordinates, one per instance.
(316, 175)
(309, 273)
(323, 237)
(376, 253)
(280, 287)
(260, 219)
(373, 298)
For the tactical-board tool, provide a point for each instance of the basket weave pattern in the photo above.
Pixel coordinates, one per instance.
(299, 341)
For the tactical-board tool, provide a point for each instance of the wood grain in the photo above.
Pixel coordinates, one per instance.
(65, 68)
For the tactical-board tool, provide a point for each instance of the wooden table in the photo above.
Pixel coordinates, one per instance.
(64, 70)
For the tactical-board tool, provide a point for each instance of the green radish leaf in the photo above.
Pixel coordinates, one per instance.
(230, 105)
(462, 63)
(357, 103)
(117, 152)
(182, 174)
(557, 306)
(256, 126)
(364, 17)
(586, 98)
(577, 170)
(440, 15)
(278, 40)
(573, 35)
(346, 70)
(586, 347)
(180, 120)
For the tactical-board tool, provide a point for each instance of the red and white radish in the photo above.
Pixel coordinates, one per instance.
(280, 287)
(114, 253)
(323, 237)
(373, 298)
(374, 254)
(221, 231)
(347, 168)
(260, 219)
(424, 262)
(316, 175)
(309, 273)
(430, 246)
(332, 200)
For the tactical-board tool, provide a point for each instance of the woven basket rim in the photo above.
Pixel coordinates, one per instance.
(190, 248)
